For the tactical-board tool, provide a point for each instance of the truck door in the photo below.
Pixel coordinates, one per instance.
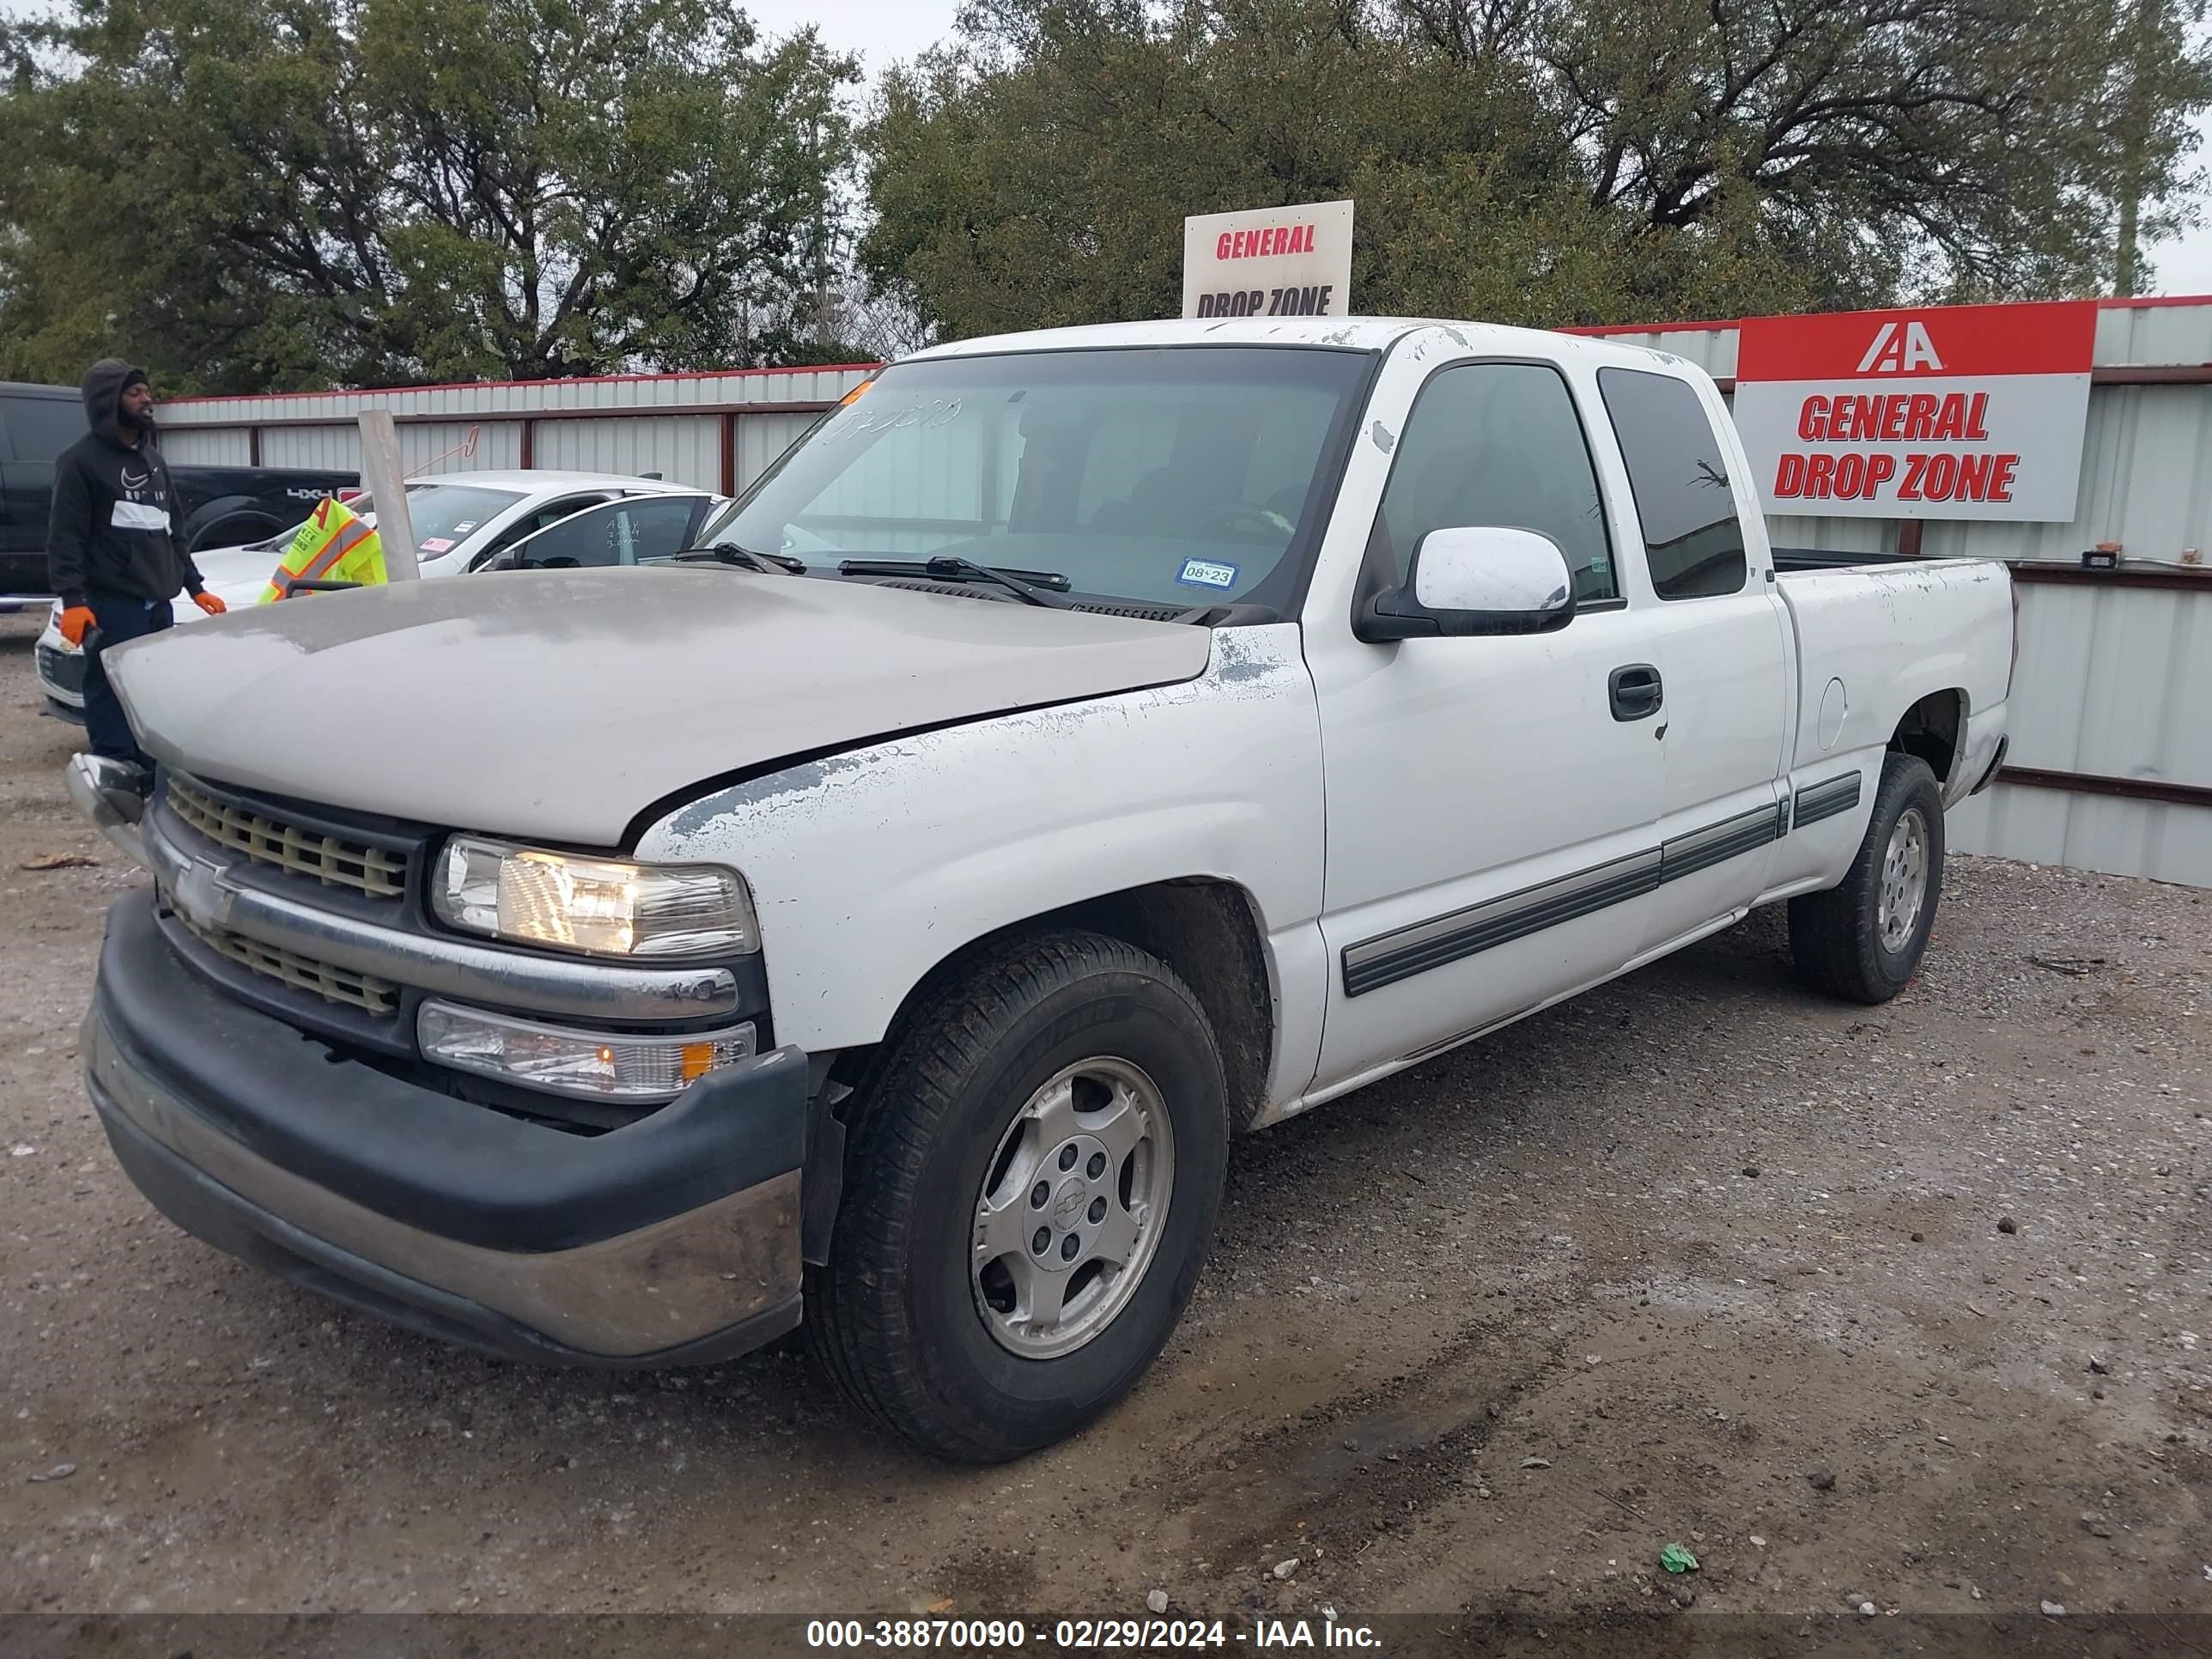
(1727, 680)
(1489, 820)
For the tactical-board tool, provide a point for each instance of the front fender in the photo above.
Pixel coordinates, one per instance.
(872, 866)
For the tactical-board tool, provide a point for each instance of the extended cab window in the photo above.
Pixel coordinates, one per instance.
(1497, 444)
(1676, 470)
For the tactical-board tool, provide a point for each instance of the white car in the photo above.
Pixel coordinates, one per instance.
(463, 521)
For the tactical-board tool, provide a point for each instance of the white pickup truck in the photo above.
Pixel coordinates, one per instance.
(1082, 748)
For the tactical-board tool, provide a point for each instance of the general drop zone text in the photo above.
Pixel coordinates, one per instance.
(1937, 477)
(1267, 302)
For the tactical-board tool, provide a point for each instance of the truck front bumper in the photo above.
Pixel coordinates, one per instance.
(674, 1240)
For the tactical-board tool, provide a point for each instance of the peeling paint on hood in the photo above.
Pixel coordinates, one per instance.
(560, 704)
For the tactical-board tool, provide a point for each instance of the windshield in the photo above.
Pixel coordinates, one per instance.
(444, 514)
(1178, 475)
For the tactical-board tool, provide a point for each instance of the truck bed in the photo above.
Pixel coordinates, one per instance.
(1864, 621)
(1787, 559)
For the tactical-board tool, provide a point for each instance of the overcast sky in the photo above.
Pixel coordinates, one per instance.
(884, 32)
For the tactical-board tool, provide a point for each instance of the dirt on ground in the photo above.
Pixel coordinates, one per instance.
(1874, 1311)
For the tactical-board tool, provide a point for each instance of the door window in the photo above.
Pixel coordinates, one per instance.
(1680, 479)
(1497, 444)
(620, 533)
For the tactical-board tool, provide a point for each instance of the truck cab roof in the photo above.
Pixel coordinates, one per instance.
(1349, 333)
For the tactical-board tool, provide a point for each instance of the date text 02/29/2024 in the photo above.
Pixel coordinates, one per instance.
(1087, 1635)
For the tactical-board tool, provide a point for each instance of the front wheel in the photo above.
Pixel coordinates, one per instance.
(1863, 938)
(1031, 1183)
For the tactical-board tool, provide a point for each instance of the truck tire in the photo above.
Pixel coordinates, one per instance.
(1863, 940)
(1050, 1129)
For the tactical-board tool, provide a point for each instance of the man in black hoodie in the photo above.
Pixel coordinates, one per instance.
(113, 550)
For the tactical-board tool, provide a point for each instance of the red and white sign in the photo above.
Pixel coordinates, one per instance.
(1946, 412)
(1272, 262)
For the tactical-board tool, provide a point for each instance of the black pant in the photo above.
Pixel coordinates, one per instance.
(120, 617)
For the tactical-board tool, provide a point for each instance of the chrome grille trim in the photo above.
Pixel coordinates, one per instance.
(365, 991)
(537, 983)
(332, 859)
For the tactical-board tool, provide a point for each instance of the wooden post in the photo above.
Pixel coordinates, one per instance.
(386, 481)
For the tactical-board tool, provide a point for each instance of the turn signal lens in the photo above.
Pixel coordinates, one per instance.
(600, 1065)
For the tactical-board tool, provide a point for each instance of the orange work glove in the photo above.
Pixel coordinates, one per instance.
(77, 622)
(208, 603)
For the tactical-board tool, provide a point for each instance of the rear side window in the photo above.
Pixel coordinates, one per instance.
(1691, 532)
(39, 428)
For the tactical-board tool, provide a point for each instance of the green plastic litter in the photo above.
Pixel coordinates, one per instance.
(1675, 1558)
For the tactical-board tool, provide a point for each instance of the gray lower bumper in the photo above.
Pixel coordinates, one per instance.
(674, 1241)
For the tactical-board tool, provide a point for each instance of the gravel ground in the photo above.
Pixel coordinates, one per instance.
(1899, 1307)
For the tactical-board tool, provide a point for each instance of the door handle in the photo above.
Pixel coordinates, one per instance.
(1634, 691)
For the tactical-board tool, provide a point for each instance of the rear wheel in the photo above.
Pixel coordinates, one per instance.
(1031, 1184)
(1862, 940)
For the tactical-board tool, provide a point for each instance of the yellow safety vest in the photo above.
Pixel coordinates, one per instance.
(335, 544)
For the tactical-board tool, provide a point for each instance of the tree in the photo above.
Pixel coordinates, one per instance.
(1530, 160)
(271, 193)
(1959, 148)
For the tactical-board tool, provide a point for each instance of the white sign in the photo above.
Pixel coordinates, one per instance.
(1272, 262)
(1950, 412)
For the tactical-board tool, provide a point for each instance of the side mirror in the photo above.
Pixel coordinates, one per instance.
(1474, 579)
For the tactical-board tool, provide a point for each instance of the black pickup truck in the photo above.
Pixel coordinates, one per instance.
(222, 504)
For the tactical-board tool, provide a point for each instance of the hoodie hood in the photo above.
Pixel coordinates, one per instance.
(103, 392)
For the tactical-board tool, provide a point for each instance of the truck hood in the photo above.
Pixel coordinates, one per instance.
(560, 704)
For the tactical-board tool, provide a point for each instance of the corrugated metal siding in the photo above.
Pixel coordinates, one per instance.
(499, 443)
(2091, 832)
(763, 438)
(185, 447)
(336, 446)
(685, 449)
(524, 397)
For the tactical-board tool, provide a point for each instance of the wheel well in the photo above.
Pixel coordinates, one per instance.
(1931, 729)
(1206, 930)
(203, 536)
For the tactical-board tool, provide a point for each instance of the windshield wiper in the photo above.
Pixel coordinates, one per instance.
(1026, 585)
(743, 558)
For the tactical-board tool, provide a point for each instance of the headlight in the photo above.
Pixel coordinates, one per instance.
(604, 905)
(599, 1064)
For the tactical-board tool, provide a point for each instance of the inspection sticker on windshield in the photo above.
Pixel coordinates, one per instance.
(439, 544)
(1204, 573)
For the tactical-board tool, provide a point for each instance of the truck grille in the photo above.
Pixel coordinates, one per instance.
(63, 670)
(334, 861)
(341, 985)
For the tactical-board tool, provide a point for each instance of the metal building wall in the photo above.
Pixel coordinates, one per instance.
(672, 424)
(684, 449)
(218, 447)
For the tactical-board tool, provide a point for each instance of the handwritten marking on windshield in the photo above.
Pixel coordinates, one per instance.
(856, 419)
